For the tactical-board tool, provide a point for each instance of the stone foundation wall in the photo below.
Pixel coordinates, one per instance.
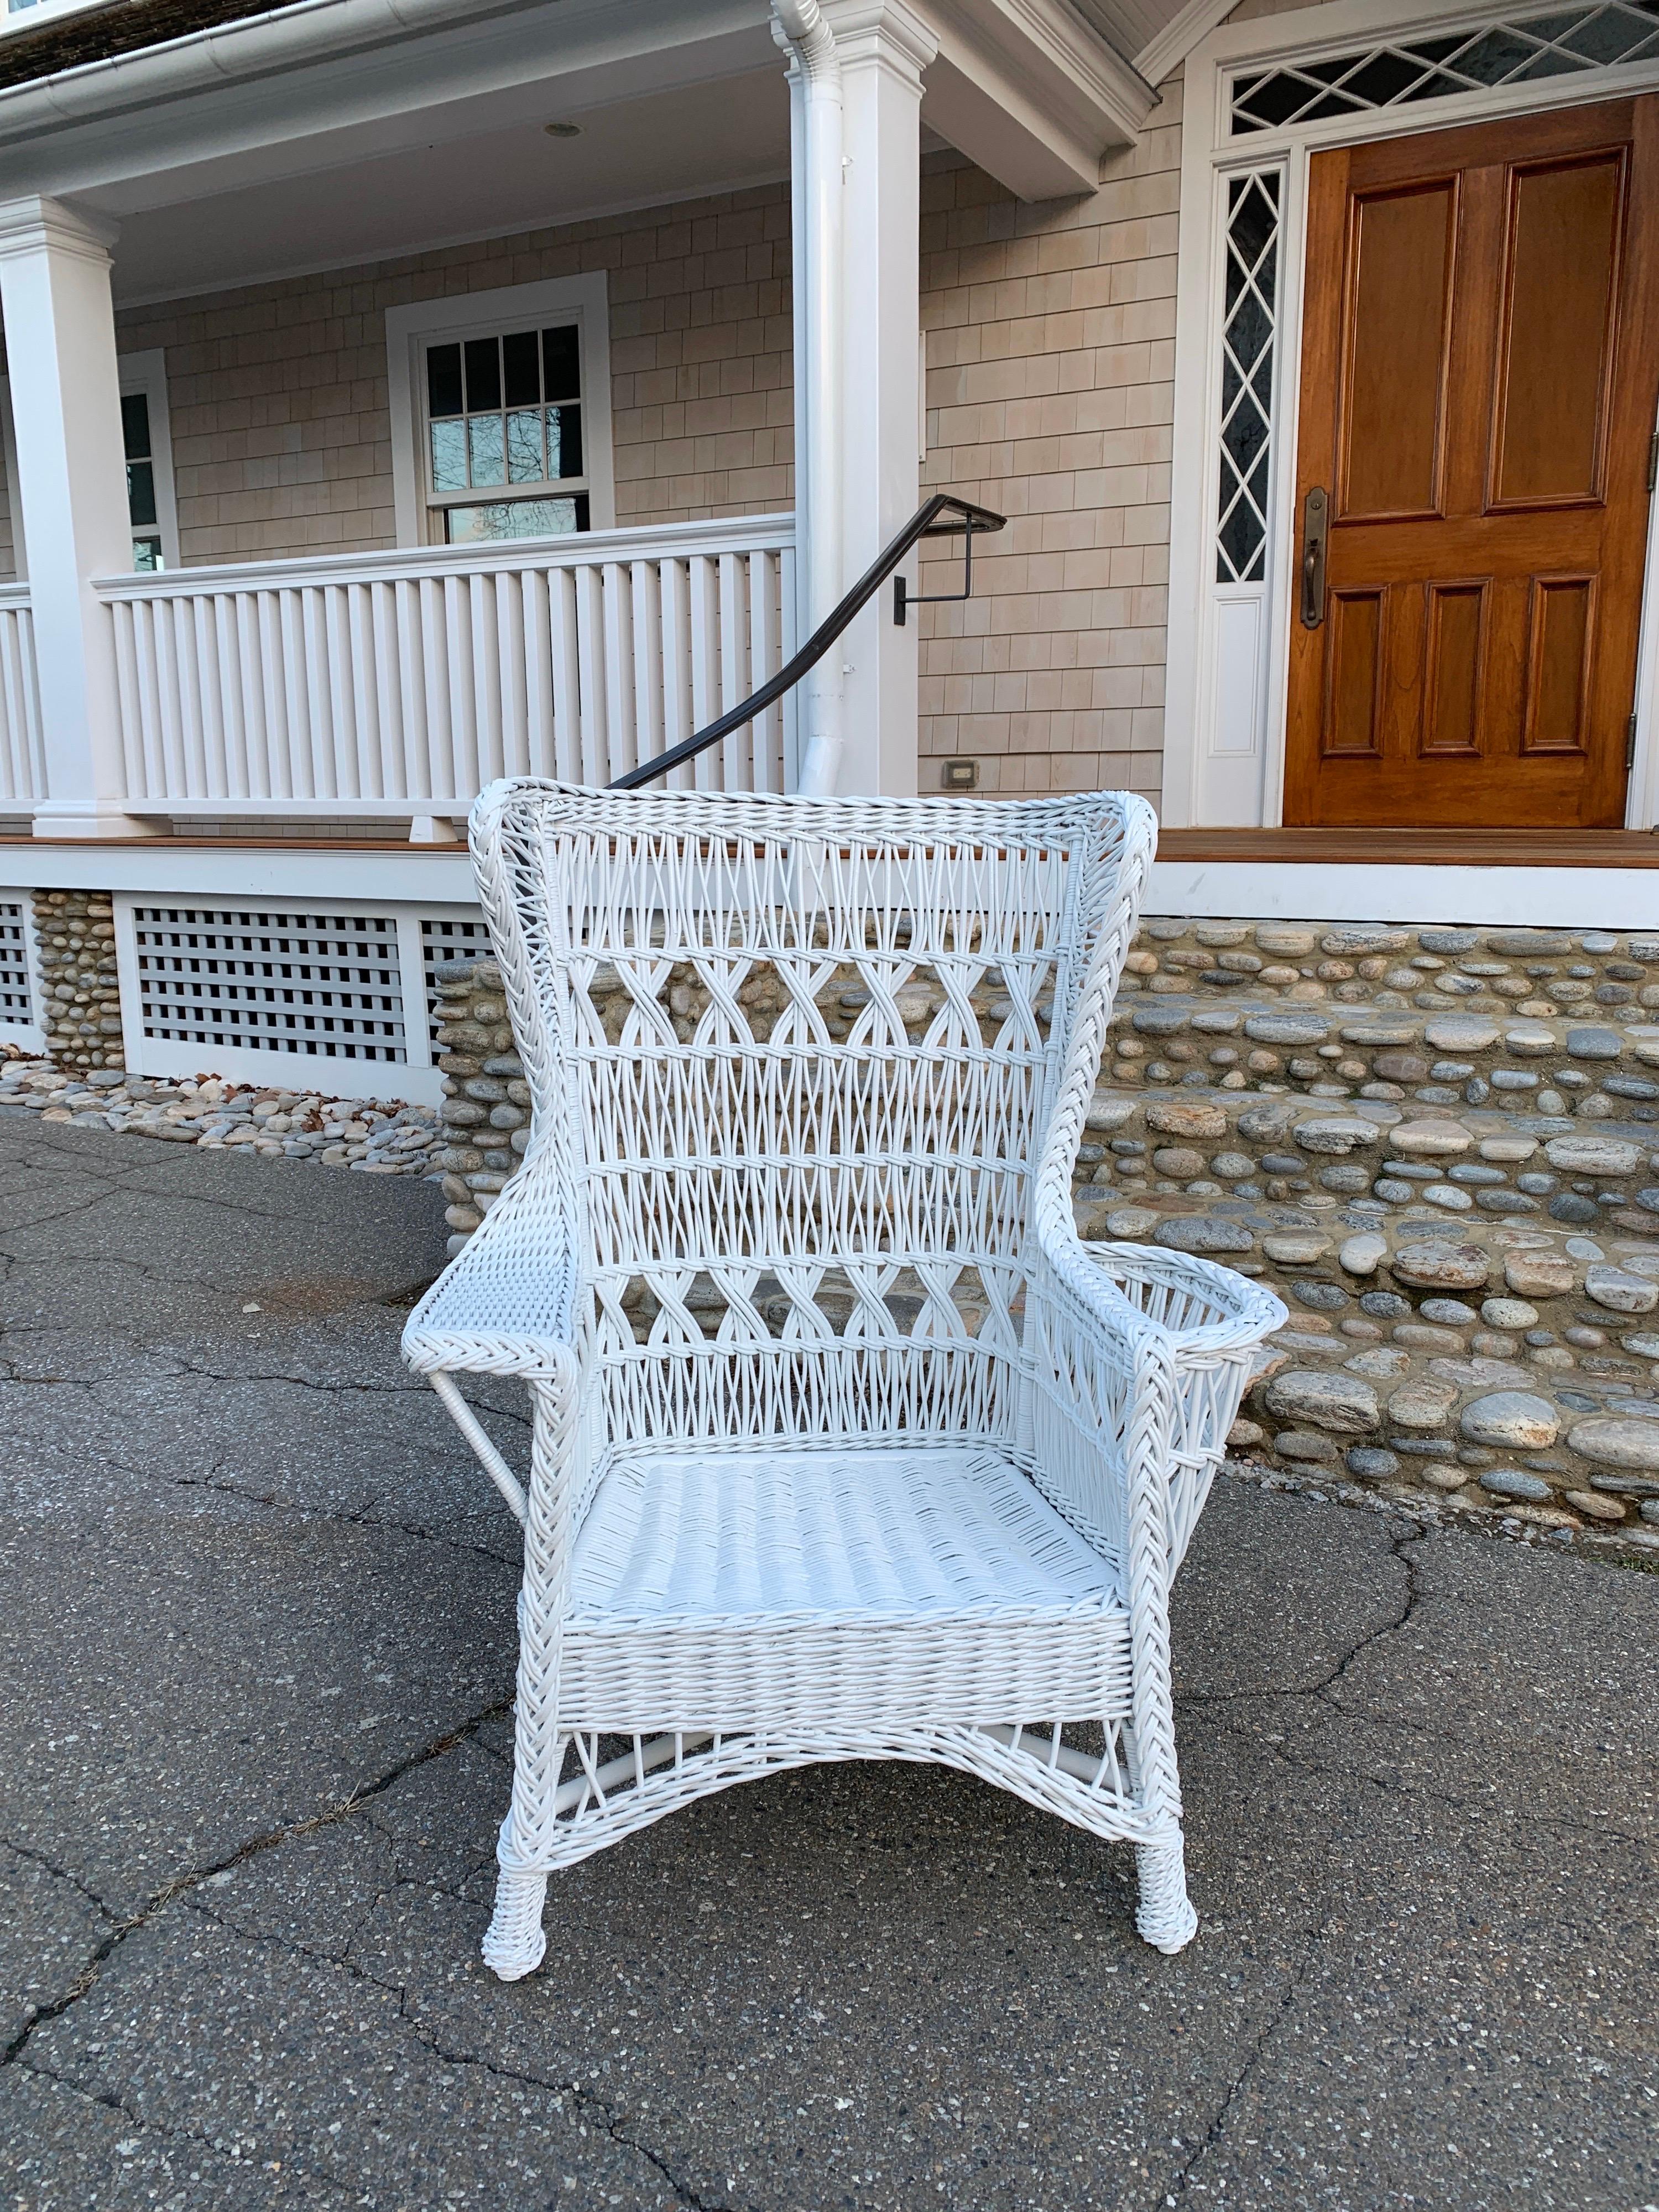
(1440, 1146)
(79, 992)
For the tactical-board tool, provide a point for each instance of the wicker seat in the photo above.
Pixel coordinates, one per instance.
(844, 1445)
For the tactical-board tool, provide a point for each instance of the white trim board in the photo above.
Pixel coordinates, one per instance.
(1224, 766)
(1509, 898)
(426, 878)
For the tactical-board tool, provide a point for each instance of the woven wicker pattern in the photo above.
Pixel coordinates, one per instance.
(844, 1446)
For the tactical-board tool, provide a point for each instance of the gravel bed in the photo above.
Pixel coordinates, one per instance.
(384, 1136)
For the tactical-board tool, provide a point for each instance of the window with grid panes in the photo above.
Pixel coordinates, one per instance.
(141, 480)
(504, 436)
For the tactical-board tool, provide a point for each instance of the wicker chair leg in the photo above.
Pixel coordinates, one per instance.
(1165, 1918)
(516, 1942)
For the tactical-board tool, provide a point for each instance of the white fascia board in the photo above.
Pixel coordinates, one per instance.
(1027, 89)
(440, 876)
(1508, 897)
(1161, 57)
(279, 80)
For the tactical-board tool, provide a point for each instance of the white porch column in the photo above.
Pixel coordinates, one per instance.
(71, 467)
(884, 47)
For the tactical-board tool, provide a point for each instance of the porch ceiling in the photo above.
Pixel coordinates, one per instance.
(337, 130)
(482, 168)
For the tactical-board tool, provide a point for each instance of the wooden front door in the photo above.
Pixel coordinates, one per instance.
(1479, 370)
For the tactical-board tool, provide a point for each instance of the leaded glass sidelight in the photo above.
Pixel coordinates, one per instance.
(1524, 48)
(504, 416)
(1250, 308)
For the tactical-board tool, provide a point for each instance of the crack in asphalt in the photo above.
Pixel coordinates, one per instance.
(39, 1858)
(586, 2100)
(1398, 1550)
(170, 2132)
(367, 1518)
(182, 1884)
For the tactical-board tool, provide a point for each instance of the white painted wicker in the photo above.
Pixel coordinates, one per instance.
(844, 1446)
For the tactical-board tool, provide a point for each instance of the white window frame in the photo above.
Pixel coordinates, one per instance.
(1222, 769)
(147, 372)
(27, 1036)
(583, 300)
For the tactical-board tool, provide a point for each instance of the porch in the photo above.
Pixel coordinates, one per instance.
(199, 654)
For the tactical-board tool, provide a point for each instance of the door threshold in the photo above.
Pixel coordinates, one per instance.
(1480, 849)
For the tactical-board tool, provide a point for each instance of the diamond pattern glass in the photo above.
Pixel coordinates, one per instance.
(1250, 302)
(1524, 50)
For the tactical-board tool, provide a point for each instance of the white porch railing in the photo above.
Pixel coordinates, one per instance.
(395, 684)
(22, 755)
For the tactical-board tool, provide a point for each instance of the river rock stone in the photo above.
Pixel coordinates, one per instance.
(1183, 1117)
(1438, 1266)
(1622, 1293)
(1284, 941)
(1593, 1156)
(1384, 1362)
(1593, 1506)
(1511, 1147)
(1618, 1440)
(1511, 1482)
(1509, 1314)
(1515, 1420)
(1305, 1444)
(1203, 1232)
(1429, 1139)
(1594, 1044)
(1529, 1043)
(1287, 1029)
(1131, 1223)
(1345, 1404)
(1336, 1133)
(1422, 1404)
(1460, 1033)
(1539, 1274)
(1107, 1111)
(1295, 1247)
(1364, 1254)
(1262, 1124)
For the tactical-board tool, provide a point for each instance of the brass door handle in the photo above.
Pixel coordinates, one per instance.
(1315, 528)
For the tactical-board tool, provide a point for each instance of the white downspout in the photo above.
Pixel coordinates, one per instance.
(818, 380)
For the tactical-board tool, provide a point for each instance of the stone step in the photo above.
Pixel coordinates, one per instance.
(1559, 1065)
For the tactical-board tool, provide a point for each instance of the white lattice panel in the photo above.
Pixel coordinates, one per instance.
(17, 1007)
(313, 986)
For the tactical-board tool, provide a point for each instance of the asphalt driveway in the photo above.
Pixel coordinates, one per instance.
(256, 1612)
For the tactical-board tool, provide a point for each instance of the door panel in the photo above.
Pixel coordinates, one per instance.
(1398, 324)
(1558, 675)
(1564, 225)
(1480, 369)
(1352, 711)
(1451, 685)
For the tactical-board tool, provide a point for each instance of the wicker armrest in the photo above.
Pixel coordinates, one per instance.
(506, 1304)
(1203, 1307)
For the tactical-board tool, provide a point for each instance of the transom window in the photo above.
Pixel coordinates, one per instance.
(1564, 42)
(504, 419)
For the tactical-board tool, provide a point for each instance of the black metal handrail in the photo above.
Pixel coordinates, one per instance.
(970, 521)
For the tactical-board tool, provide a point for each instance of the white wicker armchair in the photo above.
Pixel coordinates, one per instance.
(844, 1447)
